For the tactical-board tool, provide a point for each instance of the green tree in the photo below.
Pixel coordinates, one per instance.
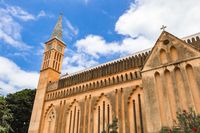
(112, 128)
(5, 116)
(21, 104)
(188, 122)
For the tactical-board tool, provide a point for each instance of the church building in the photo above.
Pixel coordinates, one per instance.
(143, 90)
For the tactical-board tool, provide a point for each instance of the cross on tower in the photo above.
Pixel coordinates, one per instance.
(163, 28)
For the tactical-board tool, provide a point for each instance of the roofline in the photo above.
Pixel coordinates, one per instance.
(191, 36)
(106, 63)
(131, 55)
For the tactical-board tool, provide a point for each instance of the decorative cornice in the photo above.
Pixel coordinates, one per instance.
(53, 94)
(139, 54)
(131, 62)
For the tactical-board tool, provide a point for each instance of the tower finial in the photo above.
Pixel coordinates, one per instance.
(57, 32)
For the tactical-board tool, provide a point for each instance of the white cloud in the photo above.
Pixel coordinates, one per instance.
(146, 17)
(90, 50)
(20, 13)
(42, 13)
(69, 30)
(13, 78)
(130, 45)
(140, 25)
(10, 31)
(97, 47)
(23, 15)
(10, 28)
(75, 61)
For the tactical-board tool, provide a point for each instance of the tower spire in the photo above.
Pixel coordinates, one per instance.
(57, 32)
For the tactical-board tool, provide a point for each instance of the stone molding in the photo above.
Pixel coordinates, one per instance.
(62, 93)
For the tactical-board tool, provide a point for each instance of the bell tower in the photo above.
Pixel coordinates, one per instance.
(54, 50)
(50, 72)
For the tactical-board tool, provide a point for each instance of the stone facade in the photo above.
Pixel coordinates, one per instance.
(144, 90)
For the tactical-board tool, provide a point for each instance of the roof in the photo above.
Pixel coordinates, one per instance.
(138, 58)
(57, 32)
(107, 63)
(191, 36)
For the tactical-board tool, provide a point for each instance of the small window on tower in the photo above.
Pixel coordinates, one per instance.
(59, 48)
(49, 47)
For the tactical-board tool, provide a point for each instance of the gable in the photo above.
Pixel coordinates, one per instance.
(169, 49)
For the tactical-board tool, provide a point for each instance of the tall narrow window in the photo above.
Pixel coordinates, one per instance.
(99, 119)
(103, 115)
(174, 53)
(70, 121)
(134, 114)
(108, 113)
(77, 122)
(74, 119)
(163, 56)
(58, 66)
(194, 86)
(140, 108)
(54, 64)
(181, 88)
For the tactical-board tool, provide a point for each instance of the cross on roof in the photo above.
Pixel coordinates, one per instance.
(163, 28)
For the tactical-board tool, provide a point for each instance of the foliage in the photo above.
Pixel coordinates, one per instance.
(112, 128)
(5, 116)
(188, 122)
(21, 104)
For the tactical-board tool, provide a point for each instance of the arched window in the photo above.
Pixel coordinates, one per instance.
(74, 90)
(117, 79)
(163, 56)
(103, 113)
(50, 121)
(173, 53)
(122, 78)
(101, 83)
(86, 87)
(98, 84)
(136, 76)
(131, 75)
(188, 41)
(193, 40)
(193, 86)
(90, 86)
(197, 38)
(105, 82)
(109, 81)
(126, 75)
(73, 118)
(136, 112)
(113, 80)
(94, 85)
(180, 87)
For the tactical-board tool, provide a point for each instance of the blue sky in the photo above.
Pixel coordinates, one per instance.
(95, 32)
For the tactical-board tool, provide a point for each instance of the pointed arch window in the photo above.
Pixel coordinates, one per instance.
(50, 121)
(103, 111)
(73, 118)
(163, 56)
(136, 113)
(173, 53)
